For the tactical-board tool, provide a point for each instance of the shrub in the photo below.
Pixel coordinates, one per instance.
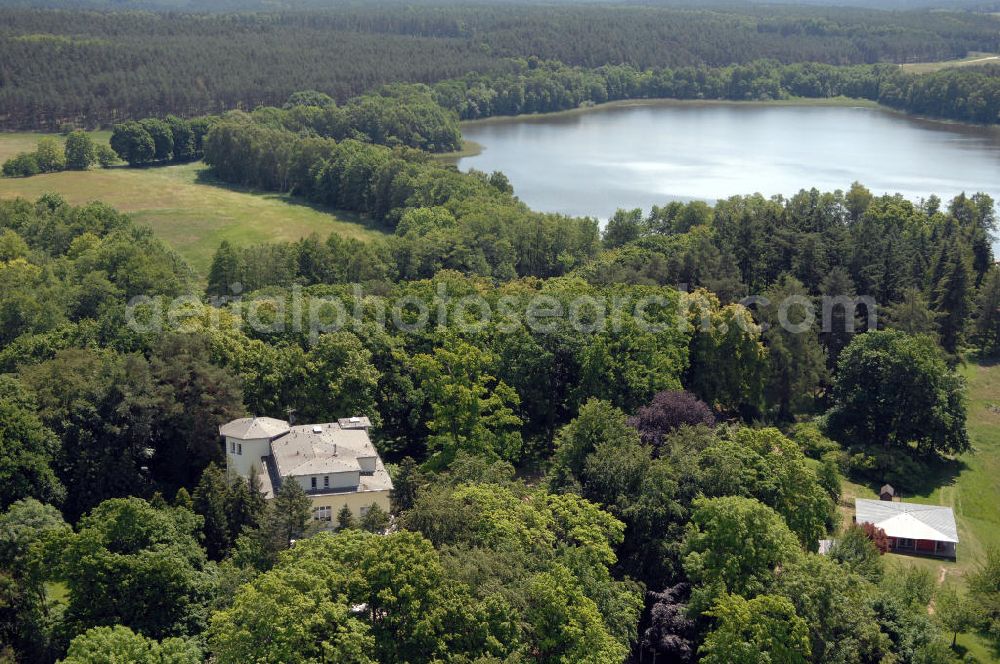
(106, 157)
(877, 537)
(50, 155)
(21, 166)
(80, 151)
(810, 438)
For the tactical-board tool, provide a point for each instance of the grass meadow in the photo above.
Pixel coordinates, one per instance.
(972, 60)
(970, 485)
(184, 206)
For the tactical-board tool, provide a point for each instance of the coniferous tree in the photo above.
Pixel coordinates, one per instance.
(837, 288)
(912, 314)
(292, 510)
(345, 518)
(375, 520)
(953, 297)
(406, 482)
(224, 272)
(245, 506)
(796, 359)
(988, 313)
(210, 502)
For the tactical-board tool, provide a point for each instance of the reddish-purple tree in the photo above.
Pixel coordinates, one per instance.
(670, 634)
(669, 411)
(877, 536)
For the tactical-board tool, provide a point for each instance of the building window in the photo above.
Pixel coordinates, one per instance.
(239, 448)
(326, 481)
(232, 447)
(323, 514)
(364, 510)
(313, 483)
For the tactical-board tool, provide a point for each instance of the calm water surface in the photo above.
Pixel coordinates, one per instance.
(591, 163)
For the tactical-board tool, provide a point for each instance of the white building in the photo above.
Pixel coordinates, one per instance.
(928, 530)
(335, 463)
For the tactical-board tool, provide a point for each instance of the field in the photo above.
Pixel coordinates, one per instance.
(183, 206)
(972, 60)
(970, 486)
(25, 141)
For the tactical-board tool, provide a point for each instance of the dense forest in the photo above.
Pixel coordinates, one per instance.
(93, 68)
(648, 480)
(588, 485)
(607, 444)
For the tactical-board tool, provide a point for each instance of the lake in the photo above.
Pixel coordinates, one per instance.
(594, 161)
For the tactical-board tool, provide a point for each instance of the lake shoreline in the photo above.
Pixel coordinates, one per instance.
(639, 153)
(472, 149)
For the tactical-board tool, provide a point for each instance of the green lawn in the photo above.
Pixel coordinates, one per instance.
(972, 60)
(184, 207)
(12, 143)
(970, 486)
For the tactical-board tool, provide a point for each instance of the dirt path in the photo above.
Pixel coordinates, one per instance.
(943, 572)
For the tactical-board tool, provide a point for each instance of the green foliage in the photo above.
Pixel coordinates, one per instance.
(375, 520)
(27, 451)
(302, 609)
(133, 143)
(29, 619)
(857, 552)
(895, 390)
(764, 464)
(735, 544)
(598, 423)
(508, 535)
(952, 295)
(623, 227)
(183, 137)
(106, 157)
(309, 98)
(209, 501)
(120, 644)
(22, 165)
(407, 479)
(162, 135)
(761, 630)
(987, 323)
(50, 155)
(563, 625)
(956, 612)
(134, 565)
(472, 411)
(728, 360)
(345, 519)
(81, 152)
(984, 585)
(796, 361)
(121, 77)
(194, 398)
(341, 379)
(913, 314)
(837, 607)
(493, 233)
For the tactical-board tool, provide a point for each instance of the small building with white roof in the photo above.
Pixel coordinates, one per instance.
(911, 528)
(335, 463)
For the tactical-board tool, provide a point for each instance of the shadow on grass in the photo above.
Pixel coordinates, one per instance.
(204, 176)
(981, 358)
(915, 477)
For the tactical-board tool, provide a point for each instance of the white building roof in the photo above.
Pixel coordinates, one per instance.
(356, 422)
(254, 428)
(317, 449)
(908, 520)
